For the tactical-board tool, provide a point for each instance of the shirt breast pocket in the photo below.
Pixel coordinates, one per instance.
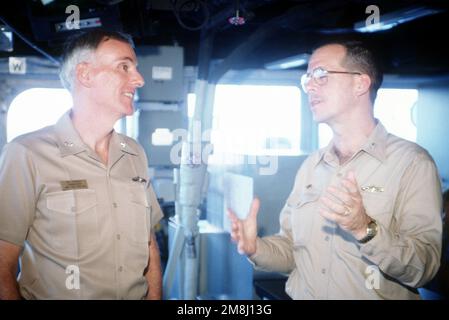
(379, 206)
(138, 216)
(303, 210)
(73, 221)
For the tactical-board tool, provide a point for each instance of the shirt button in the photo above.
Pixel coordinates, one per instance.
(327, 238)
(114, 205)
(323, 271)
(339, 174)
(118, 237)
(120, 269)
(73, 209)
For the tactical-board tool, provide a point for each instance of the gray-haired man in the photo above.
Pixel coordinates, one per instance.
(76, 205)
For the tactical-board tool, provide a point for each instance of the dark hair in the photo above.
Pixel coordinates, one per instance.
(360, 58)
(78, 47)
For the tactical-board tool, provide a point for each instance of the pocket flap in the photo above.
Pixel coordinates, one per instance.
(377, 203)
(138, 195)
(296, 201)
(72, 201)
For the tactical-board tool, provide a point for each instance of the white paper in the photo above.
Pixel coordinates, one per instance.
(238, 195)
(162, 73)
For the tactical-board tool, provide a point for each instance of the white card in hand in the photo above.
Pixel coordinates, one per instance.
(238, 195)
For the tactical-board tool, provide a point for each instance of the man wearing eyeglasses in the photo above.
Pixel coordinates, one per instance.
(363, 218)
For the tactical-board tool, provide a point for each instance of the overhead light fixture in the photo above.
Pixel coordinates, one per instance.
(6, 39)
(392, 19)
(237, 20)
(290, 62)
(45, 2)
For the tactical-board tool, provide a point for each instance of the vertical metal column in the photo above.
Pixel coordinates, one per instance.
(191, 178)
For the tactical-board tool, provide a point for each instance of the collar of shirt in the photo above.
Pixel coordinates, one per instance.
(70, 143)
(375, 146)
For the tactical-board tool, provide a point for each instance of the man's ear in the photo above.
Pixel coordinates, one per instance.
(363, 84)
(83, 74)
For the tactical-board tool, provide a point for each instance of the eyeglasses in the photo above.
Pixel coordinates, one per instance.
(319, 75)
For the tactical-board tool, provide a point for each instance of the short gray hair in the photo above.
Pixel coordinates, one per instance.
(81, 47)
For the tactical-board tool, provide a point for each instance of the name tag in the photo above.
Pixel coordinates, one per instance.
(73, 184)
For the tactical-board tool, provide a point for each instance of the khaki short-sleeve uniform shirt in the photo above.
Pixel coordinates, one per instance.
(84, 226)
(401, 190)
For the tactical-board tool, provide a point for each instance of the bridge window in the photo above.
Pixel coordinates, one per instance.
(257, 120)
(394, 108)
(36, 108)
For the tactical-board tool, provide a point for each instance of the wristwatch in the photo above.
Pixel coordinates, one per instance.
(371, 231)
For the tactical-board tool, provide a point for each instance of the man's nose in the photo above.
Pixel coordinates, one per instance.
(310, 86)
(138, 80)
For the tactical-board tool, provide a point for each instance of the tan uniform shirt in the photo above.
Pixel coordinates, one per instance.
(401, 190)
(85, 239)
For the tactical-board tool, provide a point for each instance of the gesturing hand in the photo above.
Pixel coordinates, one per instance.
(344, 206)
(244, 232)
